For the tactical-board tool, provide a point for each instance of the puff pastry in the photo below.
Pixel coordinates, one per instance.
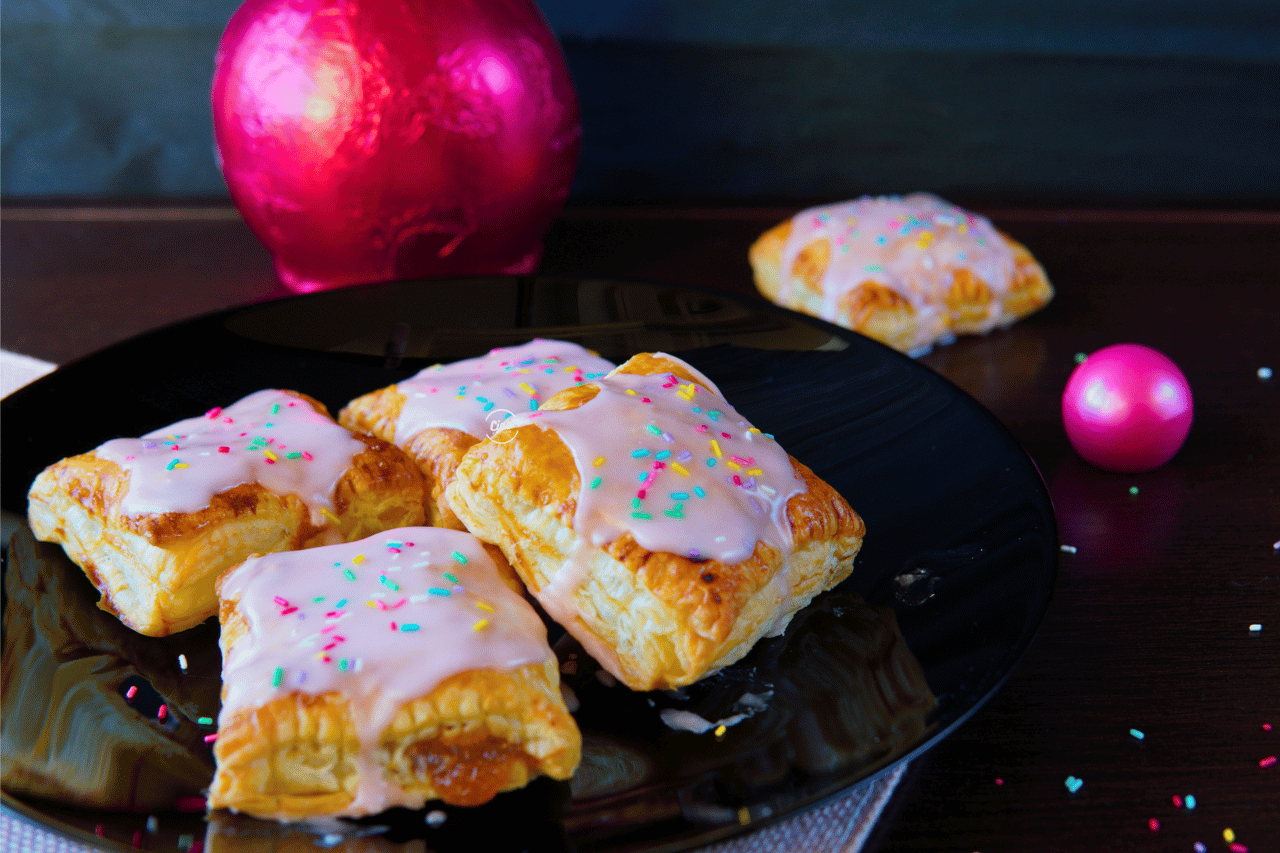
(437, 415)
(380, 673)
(909, 271)
(154, 521)
(660, 528)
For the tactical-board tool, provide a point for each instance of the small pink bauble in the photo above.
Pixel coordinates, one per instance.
(1127, 408)
(370, 140)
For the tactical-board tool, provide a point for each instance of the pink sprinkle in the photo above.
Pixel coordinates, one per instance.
(702, 428)
(1266, 727)
(229, 421)
(344, 639)
(131, 692)
(327, 628)
(658, 466)
(726, 435)
(331, 646)
(269, 461)
(640, 494)
(163, 712)
(224, 449)
(288, 610)
(382, 605)
(1177, 801)
(645, 400)
(197, 846)
(213, 413)
(410, 544)
(100, 831)
(1154, 825)
(393, 626)
(137, 839)
(334, 614)
(130, 458)
(741, 461)
(999, 782)
(307, 456)
(193, 803)
(737, 481)
(283, 602)
(394, 550)
(1237, 847)
(1268, 761)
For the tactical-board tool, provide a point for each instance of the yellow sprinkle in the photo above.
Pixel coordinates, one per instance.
(481, 625)
(754, 429)
(180, 465)
(1229, 835)
(371, 603)
(570, 369)
(963, 229)
(267, 453)
(528, 389)
(720, 730)
(687, 391)
(358, 559)
(487, 608)
(680, 469)
(734, 465)
(744, 816)
(925, 239)
(715, 448)
(755, 472)
(599, 461)
(632, 393)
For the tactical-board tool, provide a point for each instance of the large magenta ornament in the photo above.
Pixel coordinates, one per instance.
(370, 140)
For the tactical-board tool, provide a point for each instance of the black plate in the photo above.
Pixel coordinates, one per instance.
(961, 550)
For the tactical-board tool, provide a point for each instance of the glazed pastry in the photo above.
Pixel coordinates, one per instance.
(380, 673)
(909, 271)
(154, 521)
(654, 523)
(437, 415)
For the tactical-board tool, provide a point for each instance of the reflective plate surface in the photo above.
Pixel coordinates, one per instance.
(952, 582)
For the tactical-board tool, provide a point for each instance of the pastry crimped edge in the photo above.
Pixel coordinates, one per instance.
(295, 757)
(654, 620)
(879, 312)
(156, 571)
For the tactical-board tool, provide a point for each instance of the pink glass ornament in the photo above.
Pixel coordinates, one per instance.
(1127, 408)
(371, 140)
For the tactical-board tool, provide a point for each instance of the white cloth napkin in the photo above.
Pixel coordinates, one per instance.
(841, 826)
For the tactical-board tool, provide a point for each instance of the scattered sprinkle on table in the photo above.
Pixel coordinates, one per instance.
(1073, 784)
(1264, 372)
(1136, 735)
(1255, 628)
(1068, 549)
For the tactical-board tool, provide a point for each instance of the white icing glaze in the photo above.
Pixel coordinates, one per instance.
(269, 437)
(382, 621)
(468, 395)
(910, 244)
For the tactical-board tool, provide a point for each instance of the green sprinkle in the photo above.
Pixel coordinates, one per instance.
(450, 578)
(204, 721)
(435, 590)
(277, 677)
(458, 555)
(294, 455)
(342, 664)
(350, 574)
(713, 414)
(639, 453)
(408, 626)
(317, 599)
(635, 503)
(654, 429)
(1081, 358)
(679, 496)
(1133, 490)
(275, 408)
(388, 583)
(595, 483)
(676, 511)
(644, 515)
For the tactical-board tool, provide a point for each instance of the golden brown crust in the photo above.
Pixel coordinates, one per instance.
(156, 570)
(880, 312)
(521, 494)
(475, 734)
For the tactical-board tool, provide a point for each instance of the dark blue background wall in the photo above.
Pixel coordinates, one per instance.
(1165, 101)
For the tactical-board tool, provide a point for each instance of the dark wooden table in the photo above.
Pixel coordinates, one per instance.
(1149, 628)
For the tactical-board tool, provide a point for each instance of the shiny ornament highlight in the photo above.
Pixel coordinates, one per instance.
(1127, 408)
(369, 140)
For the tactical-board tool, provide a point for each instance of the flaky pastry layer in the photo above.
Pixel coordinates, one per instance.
(964, 307)
(156, 572)
(654, 620)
